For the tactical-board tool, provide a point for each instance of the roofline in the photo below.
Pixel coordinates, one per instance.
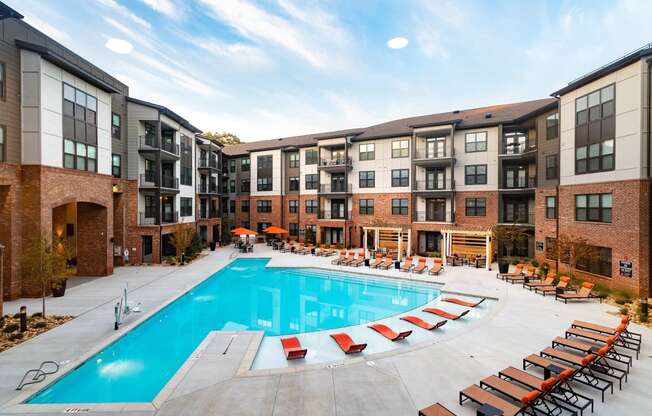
(435, 124)
(11, 13)
(166, 111)
(61, 62)
(605, 70)
(533, 113)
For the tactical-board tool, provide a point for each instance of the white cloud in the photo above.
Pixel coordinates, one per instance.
(118, 8)
(48, 29)
(166, 7)
(120, 46)
(311, 34)
(240, 54)
(397, 43)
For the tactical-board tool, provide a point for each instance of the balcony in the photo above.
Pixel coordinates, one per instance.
(519, 184)
(433, 157)
(524, 218)
(205, 214)
(147, 218)
(170, 183)
(335, 165)
(207, 188)
(519, 151)
(334, 215)
(208, 164)
(148, 180)
(151, 143)
(424, 216)
(335, 189)
(170, 217)
(444, 186)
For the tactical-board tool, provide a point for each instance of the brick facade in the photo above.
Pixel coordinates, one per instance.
(487, 221)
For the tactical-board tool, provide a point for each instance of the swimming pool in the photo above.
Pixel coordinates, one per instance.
(245, 295)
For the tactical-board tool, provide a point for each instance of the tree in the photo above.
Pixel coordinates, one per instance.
(508, 237)
(42, 264)
(309, 235)
(571, 250)
(227, 139)
(226, 229)
(181, 240)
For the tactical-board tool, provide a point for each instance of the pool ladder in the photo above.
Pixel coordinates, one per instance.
(37, 374)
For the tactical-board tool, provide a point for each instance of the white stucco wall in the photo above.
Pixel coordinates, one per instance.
(276, 173)
(489, 158)
(383, 164)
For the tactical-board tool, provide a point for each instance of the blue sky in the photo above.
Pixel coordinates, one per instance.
(274, 68)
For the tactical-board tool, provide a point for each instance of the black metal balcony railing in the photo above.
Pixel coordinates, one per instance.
(521, 182)
(148, 180)
(146, 218)
(170, 217)
(425, 216)
(335, 188)
(422, 152)
(207, 188)
(208, 163)
(206, 214)
(340, 161)
(334, 215)
(169, 182)
(518, 218)
(149, 142)
(518, 148)
(435, 185)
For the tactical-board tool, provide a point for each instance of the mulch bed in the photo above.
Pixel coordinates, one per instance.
(10, 334)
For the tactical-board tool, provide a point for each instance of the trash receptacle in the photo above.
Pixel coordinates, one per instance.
(212, 245)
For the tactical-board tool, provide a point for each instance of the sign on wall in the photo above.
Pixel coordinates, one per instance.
(539, 245)
(626, 268)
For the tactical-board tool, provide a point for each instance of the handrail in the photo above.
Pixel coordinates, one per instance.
(39, 374)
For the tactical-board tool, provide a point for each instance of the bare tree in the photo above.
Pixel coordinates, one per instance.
(571, 250)
(508, 236)
(181, 240)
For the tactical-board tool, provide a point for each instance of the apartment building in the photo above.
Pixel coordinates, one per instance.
(209, 184)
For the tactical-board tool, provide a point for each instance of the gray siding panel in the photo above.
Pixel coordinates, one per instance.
(135, 113)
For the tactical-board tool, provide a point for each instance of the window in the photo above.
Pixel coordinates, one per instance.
(3, 82)
(294, 160)
(551, 248)
(264, 205)
(400, 148)
(475, 142)
(293, 206)
(552, 126)
(311, 206)
(475, 207)
(367, 179)
(312, 181)
(186, 161)
(245, 165)
(475, 175)
(593, 207)
(150, 206)
(264, 184)
(312, 155)
(232, 206)
(186, 207)
(2, 143)
(245, 186)
(551, 207)
(601, 264)
(262, 226)
(367, 151)
(232, 186)
(116, 166)
(551, 167)
(366, 207)
(595, 130)
(79, 116)
(115, 125)
(79, 156)
(400, 206)
(244, 205)
(265, 162)
(294, 183)
(400, 177)
(294, 229)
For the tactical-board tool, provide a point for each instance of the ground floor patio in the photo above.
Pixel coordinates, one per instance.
(395, 383)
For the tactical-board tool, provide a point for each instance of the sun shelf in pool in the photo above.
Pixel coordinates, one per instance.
(243, 296)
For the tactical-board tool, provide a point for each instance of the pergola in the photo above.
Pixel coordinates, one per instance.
(389, 238)
(467, 242)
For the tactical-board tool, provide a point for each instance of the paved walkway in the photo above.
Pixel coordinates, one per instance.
(520, 324)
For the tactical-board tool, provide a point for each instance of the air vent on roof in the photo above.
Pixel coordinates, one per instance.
(456, 111)
(488, 115)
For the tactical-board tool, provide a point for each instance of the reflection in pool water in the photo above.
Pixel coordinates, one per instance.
(243, 296)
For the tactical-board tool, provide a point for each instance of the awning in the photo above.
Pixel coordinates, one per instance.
(242, 231)
(275, 230)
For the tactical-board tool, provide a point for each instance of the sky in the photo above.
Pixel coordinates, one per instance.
(276, 68)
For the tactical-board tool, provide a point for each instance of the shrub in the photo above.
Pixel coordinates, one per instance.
(196, 246)
(624, 310)
(10, 328)
(37, 315)
(14, 337)
(16, 316)
(621, 301)
(39, 324)
(535, 263)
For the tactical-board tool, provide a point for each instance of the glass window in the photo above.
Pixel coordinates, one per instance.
(232, 166)
(2, 143)
(263, 206)
(115, 125)
(475, 142)
(600, 263)
(245, 165)
(116, 163)
(3, 83)
(551, 167)
(475, 175)
(552, 126)
(91, 103)
(367, 151)
(294, 183)
(312, 181)
(596, 109)
(312, 155)
(400, 177)
(68, 92)
(367, 179)
(232, 186)
(551, 207)
(186, 207)
(400, 148)
(293, 229)
(400, 206)
(245, 186)
(311, 206)
(294, 160)
(264, 162)
(244, 205)
(264, 184)
(293, 206)
(475, 207)
(80, 97)
(593, 207)
(367, 207)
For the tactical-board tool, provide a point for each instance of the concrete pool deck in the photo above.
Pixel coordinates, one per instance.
(396, 384)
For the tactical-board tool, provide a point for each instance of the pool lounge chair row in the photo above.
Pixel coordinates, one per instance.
(595, 363)
(422, 266)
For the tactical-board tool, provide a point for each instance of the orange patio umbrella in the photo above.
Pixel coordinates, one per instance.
(275, 230)
(242, 231)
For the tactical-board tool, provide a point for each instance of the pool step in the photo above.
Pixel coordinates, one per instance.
(37, 374)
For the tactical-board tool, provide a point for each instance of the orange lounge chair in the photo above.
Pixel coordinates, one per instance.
(548, 281)
(349, 258)
(518, 271)
(584, 293)
(463, 302)
(445, 314)
(339, 259)
(407, 265)
(346, 343)
(377, 262)
(387, 263)
(421, 266)
(563, 284)
(292, 348)
(359, 261)
(389, 333)
(436, 268)
(436, 409)
(423, 324)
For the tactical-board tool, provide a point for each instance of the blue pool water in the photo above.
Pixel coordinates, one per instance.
(243, 296)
